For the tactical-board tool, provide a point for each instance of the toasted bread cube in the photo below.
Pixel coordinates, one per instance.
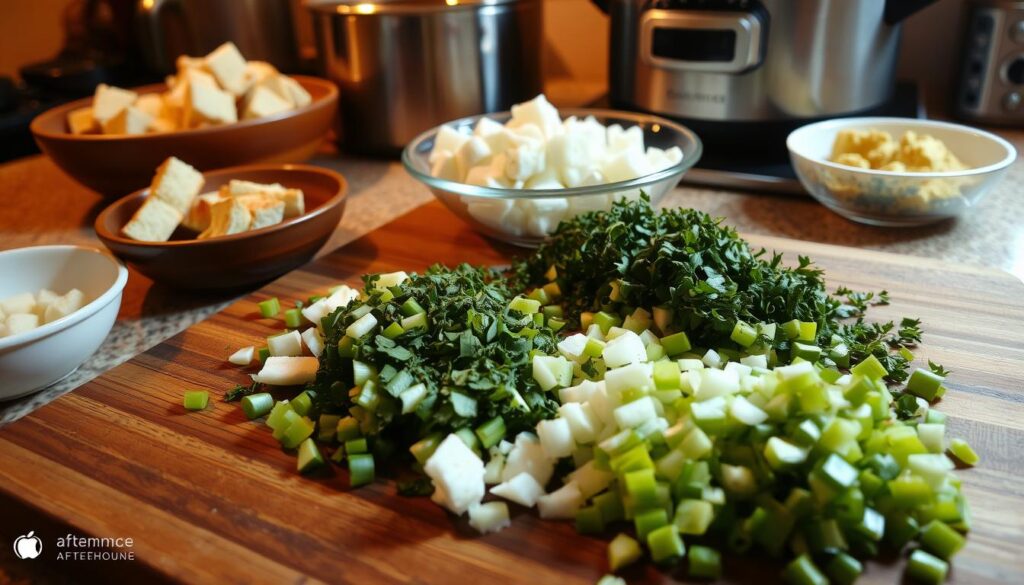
(109, 100)
(263, 102)
(294, 202)
(130, 120)
(206, 103)
(155, 221)
(81, 121)
(296, 93)
(177, 184)
(198, 218)
(257, 71)
(21, 322)
(163, 124)
(266, 209)
(185, 63)
(227, 217)
(228, 65)
(151, 103)
(235, 187)
(64, 306)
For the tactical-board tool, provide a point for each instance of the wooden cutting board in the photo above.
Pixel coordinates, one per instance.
(211, 497)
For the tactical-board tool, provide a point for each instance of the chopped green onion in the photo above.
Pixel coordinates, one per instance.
(393, 330)
(802, 571)
(962, 451)
(196, 399)
(257, 405)
(491, 432)
(270, 307)
(843, 569)
(354, 446)
(361, 469)
(263, 354)
(938, 538)
(705, 562)
(293, 318)
(302, 403)
(410, 307)
(297, 432)
(348, 429)
(309, 456)
(926, 568)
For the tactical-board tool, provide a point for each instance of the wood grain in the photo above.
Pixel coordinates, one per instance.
(210, 497)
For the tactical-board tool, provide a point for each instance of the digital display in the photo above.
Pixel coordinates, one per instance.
(691, 44)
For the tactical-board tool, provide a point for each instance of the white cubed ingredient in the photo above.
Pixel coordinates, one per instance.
(361, 326)
(492, 470)
(526, 134)
(603, 406)
(20, 303)
(590, 479)
(73, 300)
(794, 370)
(625, 165)
(588, 203)
(390, 279)
(578, 393)
(635, 376)
(595, 136)
(711, 359)
(243, 357)
(505, 447)
(456, 469)
(625, 140)
(594, 332)
(674, 154)
(314, 341)
(539, 112)
(489, 517)
(625, 349)
(448, 139)
(546, 179)
(486, 126)
(744, 411)
(614, 332)
(550, 209)
(712, 383)
(562, 503)
(287, 371)
(341, 297)
(527, 455)
(286, 344)
(741, 370)
(636, 413)
(21, 322)
(657, 159)
(688, 364)
(556, 438)
(316, 311)
(523, 161)
(522, 489)
(491, 212)
(583, 421)
(551, 371)
(755, 361)
(443, 166)
(572, 347)
(481, 176)
(648, 337)
(473, 152)
(568, 151)
(44, 298)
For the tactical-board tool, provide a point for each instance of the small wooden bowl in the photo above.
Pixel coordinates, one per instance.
(115, 165)
(238, 260)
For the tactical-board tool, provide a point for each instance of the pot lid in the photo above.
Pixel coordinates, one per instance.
(400, 6)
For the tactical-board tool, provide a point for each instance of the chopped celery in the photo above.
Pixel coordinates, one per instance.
(263, 354)
(309, 456)
(606, 321)
(524, 305)
(292, 318)
(743, 334)
(393, 330)
(270, 307)
(347, 429)
(962, 451)
(589, 520)
(808, 331)
(410, 307)
(327, 427)
(941, 540)
(491, 432)
(705, 562)
(870, 368)
(925, 383)
(925, 568)
(297, 432)
(623, 551)
(353, 446)
(802, 571)
(843, 569)
(257, 405)
(665, 544)
(196, 399)
(676, 344)
(361, 469)
(302, 403)
(645, 522)
(425, 447)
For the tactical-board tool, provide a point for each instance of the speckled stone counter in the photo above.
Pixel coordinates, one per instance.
(990, 235)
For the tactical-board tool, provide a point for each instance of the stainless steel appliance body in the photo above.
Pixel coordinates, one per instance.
(404, 66)
(991, 88)
(262, 29)
(754, 60)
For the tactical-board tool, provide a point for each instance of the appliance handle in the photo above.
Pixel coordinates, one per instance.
(896, 11)
(150, 16)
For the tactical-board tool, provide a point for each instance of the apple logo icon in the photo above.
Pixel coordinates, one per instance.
(28, 546)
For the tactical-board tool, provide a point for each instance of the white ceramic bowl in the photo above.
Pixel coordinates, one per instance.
(463, 198)
(35, 359)
(890, 198)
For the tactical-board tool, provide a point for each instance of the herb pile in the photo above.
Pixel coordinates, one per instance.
(708, 279)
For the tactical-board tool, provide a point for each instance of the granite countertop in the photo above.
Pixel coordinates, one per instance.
(991, 235)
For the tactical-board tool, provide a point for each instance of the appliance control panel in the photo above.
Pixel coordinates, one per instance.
(710, 36)
(991, 88)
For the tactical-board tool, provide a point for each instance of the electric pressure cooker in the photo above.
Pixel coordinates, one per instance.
(749, 71)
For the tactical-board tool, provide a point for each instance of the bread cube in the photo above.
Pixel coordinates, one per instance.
(81, 121)
(21, 322)
(207, 104)
(266, 210)
(258, 71)
(177, 184)
(63, 306)
(235, 187)
(295, 93)
(198, 218)
(185, 63)
(472, 153)
(155, 221)
(448, 139)
(20, 303)
(263, 102)
(228, 65)
(443, 166)
(227, 217)
(130, 120)
(294, 202)
(150, 103)
(164, 124)
(109, 100)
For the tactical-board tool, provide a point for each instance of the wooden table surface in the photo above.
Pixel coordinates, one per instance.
(210, 496)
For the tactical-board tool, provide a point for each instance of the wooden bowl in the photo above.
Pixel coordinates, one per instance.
(238, 260)
(114, 165)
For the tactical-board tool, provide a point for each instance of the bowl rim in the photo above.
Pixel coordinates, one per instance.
(63, 109)
(866, 121)
(85, 312)
(637, 118)
(331, 203)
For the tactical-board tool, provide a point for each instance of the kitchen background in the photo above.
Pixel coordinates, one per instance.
(575, 52)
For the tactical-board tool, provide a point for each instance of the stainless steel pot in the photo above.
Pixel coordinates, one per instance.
(404, 66)
(262, 29)
(754, 60)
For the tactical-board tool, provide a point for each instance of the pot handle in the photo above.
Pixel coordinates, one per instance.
(150, 18)
(896, 11)
(602, 4)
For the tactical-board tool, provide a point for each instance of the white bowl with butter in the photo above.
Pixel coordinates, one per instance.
(902, 194)
(36, 358)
